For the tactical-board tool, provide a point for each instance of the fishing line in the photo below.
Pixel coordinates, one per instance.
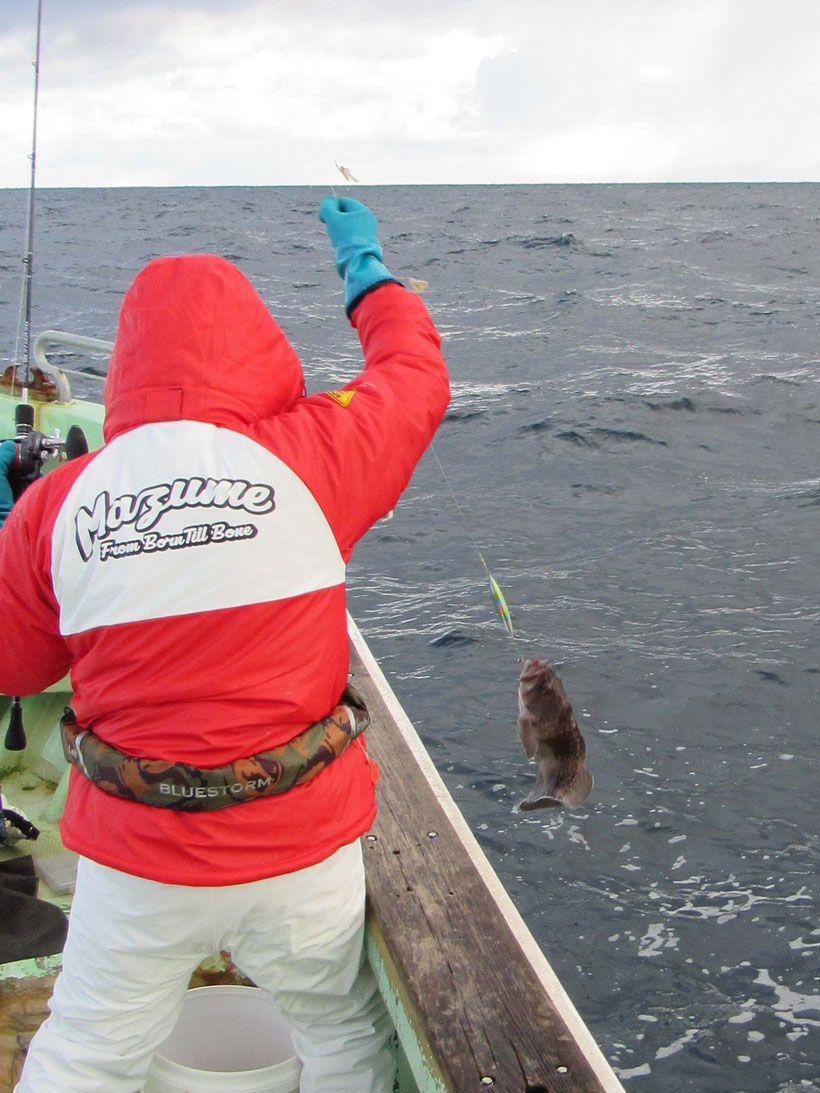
(495, 588)
(293, 111)
(415, 284)
(419, 286)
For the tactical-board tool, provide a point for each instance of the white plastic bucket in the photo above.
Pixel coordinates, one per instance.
(227, 1038)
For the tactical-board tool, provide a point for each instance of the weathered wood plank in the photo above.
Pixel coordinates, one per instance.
(23, 1008)
(489, 1020)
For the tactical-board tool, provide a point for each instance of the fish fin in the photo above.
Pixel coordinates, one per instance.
(537, 799)
(528, 736)
(543, 792)
(547, 793)
(578, 789)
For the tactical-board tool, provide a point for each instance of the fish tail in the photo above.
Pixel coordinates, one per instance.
(551, 792)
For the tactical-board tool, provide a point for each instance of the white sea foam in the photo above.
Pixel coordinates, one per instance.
(792, 1005)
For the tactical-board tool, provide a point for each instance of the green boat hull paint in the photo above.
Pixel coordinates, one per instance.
(35, 968)
(55, 418)
(417, 1068)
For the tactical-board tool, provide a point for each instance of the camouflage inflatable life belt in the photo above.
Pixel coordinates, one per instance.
(164, 784)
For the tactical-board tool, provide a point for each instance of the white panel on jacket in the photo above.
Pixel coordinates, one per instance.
(180, 517)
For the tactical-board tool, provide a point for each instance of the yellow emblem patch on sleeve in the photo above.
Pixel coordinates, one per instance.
(344, 398)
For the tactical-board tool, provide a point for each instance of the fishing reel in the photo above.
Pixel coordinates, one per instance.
(34, 448)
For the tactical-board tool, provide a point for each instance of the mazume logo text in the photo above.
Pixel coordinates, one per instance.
(143, 510)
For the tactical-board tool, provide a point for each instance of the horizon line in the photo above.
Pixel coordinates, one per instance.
(415, 185)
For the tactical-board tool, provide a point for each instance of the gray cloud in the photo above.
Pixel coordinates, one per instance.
(539, 90)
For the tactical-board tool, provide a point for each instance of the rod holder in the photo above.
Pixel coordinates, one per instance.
(15, 733)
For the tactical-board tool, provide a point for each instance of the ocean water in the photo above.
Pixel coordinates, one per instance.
(633, 446)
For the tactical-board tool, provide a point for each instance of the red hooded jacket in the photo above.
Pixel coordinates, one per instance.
(190, 573)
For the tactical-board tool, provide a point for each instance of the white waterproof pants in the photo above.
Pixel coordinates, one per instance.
(132, 947)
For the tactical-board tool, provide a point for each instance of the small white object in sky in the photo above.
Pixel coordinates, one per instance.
(348, 174)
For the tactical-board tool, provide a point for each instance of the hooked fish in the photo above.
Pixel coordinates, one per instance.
(549, 732)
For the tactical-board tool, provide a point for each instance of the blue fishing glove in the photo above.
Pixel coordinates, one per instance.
(352, 228)
(8, 450)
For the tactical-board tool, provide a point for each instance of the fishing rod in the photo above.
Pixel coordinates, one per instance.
(30, 449)
(28, 260)
(33, 447)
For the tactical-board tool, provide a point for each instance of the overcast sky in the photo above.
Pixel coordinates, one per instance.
(273, 92)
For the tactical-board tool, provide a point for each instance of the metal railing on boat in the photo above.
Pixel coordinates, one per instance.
(69, 341)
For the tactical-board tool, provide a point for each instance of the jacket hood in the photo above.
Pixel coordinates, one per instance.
(194, 341)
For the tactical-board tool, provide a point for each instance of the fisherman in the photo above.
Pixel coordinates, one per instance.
(216, 648)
